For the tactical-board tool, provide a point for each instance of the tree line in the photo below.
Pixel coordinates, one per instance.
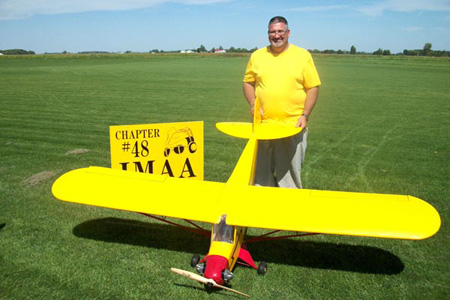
(425, 51)
(16, 52)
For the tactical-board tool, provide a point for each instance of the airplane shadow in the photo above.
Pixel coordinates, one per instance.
(328, 256)
(138, 233)
(308, 254)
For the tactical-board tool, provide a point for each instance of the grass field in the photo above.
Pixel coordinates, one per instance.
(381, 125)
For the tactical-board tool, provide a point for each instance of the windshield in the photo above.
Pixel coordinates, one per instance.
(223, 232)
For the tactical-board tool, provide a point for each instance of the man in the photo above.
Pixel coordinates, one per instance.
(284, 79)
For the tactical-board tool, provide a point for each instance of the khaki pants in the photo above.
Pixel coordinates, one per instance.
(279, 162)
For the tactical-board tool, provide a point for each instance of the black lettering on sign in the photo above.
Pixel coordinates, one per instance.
(148, 167)
(187, 168)
(142, 150)
(137, 134)
(167, 169)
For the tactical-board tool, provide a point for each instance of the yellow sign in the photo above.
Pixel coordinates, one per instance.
(174, 149)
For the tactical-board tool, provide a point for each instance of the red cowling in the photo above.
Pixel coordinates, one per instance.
(215, 264)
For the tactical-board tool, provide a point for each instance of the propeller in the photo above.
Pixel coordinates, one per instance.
(204, 280)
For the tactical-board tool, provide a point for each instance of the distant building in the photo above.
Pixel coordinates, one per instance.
(220, 51)
(186, 51)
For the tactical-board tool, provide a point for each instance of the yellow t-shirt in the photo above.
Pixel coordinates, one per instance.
(280, 82)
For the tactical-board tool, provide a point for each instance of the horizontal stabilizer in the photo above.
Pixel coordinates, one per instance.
(262, 131)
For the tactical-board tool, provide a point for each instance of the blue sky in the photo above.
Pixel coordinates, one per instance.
(143, 25)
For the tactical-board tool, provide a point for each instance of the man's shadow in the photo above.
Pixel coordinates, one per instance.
(307, 254)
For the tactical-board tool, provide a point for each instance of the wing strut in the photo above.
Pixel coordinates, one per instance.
(197, 230)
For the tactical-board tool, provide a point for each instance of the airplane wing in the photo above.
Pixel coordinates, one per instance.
(139, 192)
(359, 214)
(344, 213)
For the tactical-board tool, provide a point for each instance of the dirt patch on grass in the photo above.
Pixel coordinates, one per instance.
(38, 178)
(77, 151)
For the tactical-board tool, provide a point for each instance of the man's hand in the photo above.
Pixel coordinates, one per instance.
(302, 122)
(252, 110)
(249, 93)
(310, 102)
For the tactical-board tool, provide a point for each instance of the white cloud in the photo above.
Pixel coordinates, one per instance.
(21, 9)
(404, 6)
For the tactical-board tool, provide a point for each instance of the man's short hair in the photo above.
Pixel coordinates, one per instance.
(278, 19)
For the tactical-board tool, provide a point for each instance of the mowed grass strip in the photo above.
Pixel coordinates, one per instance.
(381, 125)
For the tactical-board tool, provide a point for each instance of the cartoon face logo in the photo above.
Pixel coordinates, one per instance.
(178, 140)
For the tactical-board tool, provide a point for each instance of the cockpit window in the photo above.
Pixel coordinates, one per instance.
(223, 232)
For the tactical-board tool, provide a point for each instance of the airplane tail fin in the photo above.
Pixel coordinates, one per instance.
(257, 129)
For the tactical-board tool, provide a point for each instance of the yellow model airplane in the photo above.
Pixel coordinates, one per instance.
(234, 206)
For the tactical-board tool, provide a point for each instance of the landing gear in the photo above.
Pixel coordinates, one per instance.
(209, 287)
(262, 268)
(195, 259)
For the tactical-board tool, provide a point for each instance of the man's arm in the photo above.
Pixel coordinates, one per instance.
(249, 94)
(310, 101)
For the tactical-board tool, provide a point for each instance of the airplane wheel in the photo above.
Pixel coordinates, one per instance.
(209, 288)
(195, 259)
(262, 268)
